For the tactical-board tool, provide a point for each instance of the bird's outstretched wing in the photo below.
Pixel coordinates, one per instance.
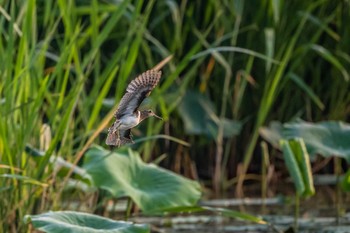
(137, 90)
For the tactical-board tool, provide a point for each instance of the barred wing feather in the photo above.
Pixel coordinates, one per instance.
(137, 90)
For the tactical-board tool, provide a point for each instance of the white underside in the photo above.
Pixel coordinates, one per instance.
(129, 122)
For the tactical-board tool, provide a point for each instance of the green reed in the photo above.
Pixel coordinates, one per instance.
(65, 64)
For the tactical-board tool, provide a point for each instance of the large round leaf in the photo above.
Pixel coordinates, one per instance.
(326, 138)
(152, 188)
(77, 222)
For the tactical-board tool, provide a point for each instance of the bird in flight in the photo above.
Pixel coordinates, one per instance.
(128, 115)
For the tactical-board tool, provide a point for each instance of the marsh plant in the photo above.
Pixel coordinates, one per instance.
(64, 66)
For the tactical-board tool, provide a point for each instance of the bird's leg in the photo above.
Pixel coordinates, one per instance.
(119, 142)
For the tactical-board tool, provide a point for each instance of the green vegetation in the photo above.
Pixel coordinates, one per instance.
(150, 187)
(65, 64)
(297, 161)
(74, 222)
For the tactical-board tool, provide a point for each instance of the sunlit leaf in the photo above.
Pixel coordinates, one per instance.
(272, 133)
(183, 209)
(345, 183)
(78, 222)
(152, 188)
(292, 166)
(326, 138)
(236, 214)
(301, 155)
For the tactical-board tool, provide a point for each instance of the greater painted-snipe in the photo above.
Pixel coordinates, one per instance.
(127, 115)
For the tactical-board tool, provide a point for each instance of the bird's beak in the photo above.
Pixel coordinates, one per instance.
(157, 117)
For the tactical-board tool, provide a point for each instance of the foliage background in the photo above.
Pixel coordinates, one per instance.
(65, 64)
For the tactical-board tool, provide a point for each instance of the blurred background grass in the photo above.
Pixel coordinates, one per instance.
(65, 64)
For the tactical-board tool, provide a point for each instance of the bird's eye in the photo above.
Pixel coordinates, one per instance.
(149, 111)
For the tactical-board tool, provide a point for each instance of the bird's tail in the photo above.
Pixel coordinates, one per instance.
(112, 139)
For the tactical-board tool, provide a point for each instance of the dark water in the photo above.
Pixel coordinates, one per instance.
(319, 213)
(311, 219)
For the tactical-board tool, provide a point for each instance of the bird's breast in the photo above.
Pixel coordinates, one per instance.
(128, 122)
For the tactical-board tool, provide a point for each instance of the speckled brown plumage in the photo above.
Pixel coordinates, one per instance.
(127, 115)
(137, 90)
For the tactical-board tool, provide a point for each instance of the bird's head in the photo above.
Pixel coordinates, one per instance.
(149, 113)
